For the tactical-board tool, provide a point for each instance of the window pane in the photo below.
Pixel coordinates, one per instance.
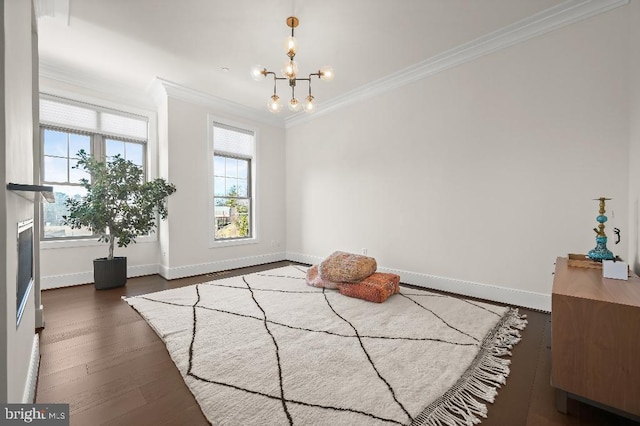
(114, 148)
(243, 169)
(232, 218)
(232, 167)
(222, 214)
(218, 165)
(55, 169)
(242, 188)
(135, 153)
(232, 187)
(76, 174)
(53, 212)
(232, 192)
(218, 186)
(55, 143)
(78, 142)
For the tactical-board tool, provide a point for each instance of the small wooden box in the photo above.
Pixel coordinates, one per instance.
(583, 261)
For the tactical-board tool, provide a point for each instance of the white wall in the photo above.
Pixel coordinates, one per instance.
(483, 173)
(16, 343)
(633, 235)
(186, 250)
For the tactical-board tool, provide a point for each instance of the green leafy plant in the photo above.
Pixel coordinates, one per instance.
(119, 205)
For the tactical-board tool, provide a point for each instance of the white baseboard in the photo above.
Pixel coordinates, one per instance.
(29, 394)
(494, 293)
(65, 280)
(77, 278)
(170, 273)
(304, 258)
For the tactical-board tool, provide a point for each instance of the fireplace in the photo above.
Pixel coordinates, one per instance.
(25, 266)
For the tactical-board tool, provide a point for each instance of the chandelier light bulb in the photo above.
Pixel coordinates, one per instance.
(258, 72)
(294, 105)
(291, 46)
(326, 73)
(274, 104)
(290, 69)
(309, 104)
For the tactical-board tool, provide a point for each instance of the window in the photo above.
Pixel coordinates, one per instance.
(66, 127)
(232, 184)
(59, 149)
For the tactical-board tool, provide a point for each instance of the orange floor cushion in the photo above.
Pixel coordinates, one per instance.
(375, 288)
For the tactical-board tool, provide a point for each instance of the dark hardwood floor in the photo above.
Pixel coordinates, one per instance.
(101, 357)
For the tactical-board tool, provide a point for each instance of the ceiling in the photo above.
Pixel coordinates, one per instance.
(189, 42)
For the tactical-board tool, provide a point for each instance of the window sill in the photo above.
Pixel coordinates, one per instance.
(73, 243)
(231, 243)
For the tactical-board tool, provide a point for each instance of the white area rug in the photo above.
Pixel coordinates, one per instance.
(266, 349)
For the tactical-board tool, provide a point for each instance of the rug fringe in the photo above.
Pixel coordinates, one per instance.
(461, 405)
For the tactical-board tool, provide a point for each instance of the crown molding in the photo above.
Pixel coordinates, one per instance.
(564, 14)
(150, 98)
(177, 91)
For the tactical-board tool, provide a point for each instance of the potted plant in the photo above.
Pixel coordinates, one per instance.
(119, 206)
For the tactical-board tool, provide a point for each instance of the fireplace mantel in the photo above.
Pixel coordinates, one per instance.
(46, 191)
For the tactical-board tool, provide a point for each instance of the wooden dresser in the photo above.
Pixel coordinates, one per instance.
(595, 340)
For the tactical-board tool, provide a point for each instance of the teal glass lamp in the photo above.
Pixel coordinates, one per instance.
(600, 252)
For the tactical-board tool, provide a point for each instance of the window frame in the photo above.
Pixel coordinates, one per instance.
(98, 146)
(252, 193)
(92, 147)
(248, 197)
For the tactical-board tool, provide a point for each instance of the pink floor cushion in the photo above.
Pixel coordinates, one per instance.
(314, 279)
(344, 267)
(375, 288)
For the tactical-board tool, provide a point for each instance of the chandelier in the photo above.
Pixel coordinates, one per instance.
(290, 71)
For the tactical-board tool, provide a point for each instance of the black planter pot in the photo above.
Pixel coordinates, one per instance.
(109, 273)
